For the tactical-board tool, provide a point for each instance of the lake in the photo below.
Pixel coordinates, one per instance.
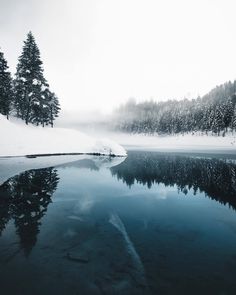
(151, 223)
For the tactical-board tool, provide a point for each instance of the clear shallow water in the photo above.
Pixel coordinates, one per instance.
(154, 224)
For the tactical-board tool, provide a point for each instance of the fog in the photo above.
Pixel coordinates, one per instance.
(99, 53)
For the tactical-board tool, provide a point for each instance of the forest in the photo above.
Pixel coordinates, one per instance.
(28, 95)
(214, 112)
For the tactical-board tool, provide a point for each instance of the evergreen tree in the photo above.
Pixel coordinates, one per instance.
(30, 83)
(233, 123)
(6, 93)
(228, 111)
(52, 107)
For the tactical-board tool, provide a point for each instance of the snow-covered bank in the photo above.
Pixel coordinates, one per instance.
(175, 143)
(20, 140)
(187, 142)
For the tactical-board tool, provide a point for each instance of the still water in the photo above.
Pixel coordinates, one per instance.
(152, 224)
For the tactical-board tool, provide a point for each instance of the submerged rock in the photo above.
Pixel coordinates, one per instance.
(76, 259)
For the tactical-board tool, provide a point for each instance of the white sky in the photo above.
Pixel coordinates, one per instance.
(98, 53)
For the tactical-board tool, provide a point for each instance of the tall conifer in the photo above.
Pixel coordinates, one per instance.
(6, 93)
(30, 83)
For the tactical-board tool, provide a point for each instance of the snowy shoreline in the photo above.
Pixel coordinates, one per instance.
(32, 156)
(18, 139)
(176, 143)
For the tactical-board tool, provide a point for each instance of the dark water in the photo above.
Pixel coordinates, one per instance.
(154, 224)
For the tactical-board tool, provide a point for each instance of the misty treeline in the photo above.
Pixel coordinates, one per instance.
(214, 112)
(27, 96)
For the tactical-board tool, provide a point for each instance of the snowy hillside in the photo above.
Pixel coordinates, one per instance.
(18, 139)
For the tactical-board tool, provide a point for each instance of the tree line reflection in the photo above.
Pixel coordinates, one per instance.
(25, 198)
(216, 177)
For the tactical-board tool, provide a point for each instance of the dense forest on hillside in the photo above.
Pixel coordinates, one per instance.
(215, 112)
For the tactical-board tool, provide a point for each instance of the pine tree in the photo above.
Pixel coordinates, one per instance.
(30, 83)
(6, 92)
(52, 106)
(233, 123)
(228, 110)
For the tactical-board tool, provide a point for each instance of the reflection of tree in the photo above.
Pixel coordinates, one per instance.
(215, 177)
(25, 199)
(5, 202)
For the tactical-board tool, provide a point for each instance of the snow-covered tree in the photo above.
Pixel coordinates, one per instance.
(212, 112)
(53, 106)
(233, 123)
(6, 93)
(228, 110)
(30, 83)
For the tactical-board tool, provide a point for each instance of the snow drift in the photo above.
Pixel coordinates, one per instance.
(18, 139)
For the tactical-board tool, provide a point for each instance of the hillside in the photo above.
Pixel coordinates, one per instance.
(214, 112)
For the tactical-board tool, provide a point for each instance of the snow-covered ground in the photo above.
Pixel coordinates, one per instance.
(187, 142)
(173, 143)
(18, 139)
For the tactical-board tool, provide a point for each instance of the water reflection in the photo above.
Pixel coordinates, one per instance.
(120, 237)
(25, 198)
(215, 177)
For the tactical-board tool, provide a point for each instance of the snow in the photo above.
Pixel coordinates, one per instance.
(197, 142)
(181, 143)
(35, 82)
(18, 139)
(43, 87)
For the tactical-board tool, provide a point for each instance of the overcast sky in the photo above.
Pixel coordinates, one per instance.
(98, 53)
